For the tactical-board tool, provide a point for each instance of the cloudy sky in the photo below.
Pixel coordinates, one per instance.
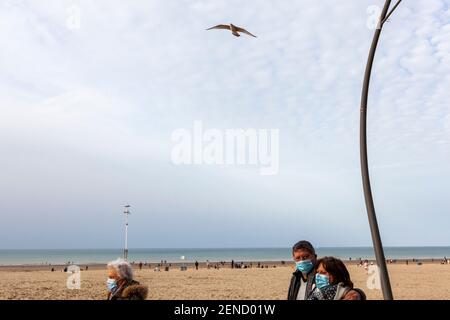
(91, 92)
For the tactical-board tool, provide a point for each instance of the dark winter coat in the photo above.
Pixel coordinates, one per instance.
(129, 290)
(295, 284)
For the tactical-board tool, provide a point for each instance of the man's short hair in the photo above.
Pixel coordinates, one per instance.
(304, 245)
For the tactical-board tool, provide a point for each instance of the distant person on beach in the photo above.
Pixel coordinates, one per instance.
(232, 264)
(332, 282)
(196, 265)
(303, 278)
(120, 283)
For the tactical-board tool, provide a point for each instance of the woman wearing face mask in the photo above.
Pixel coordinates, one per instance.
(333, 282)
(120, 283)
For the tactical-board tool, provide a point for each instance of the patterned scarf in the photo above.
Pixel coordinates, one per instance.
(327, 293)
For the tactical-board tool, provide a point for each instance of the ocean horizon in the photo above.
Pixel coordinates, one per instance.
(12, 257)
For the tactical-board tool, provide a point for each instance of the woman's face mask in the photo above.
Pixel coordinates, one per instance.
(111, 284)
(322, 281)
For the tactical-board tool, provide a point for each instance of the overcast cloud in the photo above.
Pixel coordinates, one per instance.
(87, 116)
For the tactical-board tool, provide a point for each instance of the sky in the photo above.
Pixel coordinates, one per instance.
(92, 91)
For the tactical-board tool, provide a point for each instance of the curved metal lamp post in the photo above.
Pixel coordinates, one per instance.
(378, 247)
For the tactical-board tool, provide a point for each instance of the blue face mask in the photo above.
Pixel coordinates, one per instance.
(304, 266)
(111, 284)
(322, 281)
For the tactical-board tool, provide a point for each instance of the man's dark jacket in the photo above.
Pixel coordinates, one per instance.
(295, 284)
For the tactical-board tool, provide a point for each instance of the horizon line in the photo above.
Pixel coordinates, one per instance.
(227, 248)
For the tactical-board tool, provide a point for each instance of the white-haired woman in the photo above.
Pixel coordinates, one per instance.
(120, 283)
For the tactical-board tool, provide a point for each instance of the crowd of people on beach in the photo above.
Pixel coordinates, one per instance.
(163, 265)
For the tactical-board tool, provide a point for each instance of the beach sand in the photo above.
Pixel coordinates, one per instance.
(427, 281)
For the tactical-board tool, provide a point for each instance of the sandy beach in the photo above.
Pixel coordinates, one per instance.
(427, 281)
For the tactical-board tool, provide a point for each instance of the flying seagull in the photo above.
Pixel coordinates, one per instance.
(234, 30)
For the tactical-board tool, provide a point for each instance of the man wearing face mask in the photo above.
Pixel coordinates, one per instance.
(303, 279)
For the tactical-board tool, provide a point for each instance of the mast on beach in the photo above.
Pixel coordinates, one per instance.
(127, 213)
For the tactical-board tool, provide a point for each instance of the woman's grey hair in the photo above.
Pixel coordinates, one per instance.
(123, 268)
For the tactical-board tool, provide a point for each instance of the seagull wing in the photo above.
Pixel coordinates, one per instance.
(220, 26)
(244, 31)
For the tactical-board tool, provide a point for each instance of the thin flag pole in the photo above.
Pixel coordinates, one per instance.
(125, 250)
(375, 232)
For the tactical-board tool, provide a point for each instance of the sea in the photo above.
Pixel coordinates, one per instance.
(100, 256)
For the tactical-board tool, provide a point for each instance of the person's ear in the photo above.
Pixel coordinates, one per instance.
(331, 278)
